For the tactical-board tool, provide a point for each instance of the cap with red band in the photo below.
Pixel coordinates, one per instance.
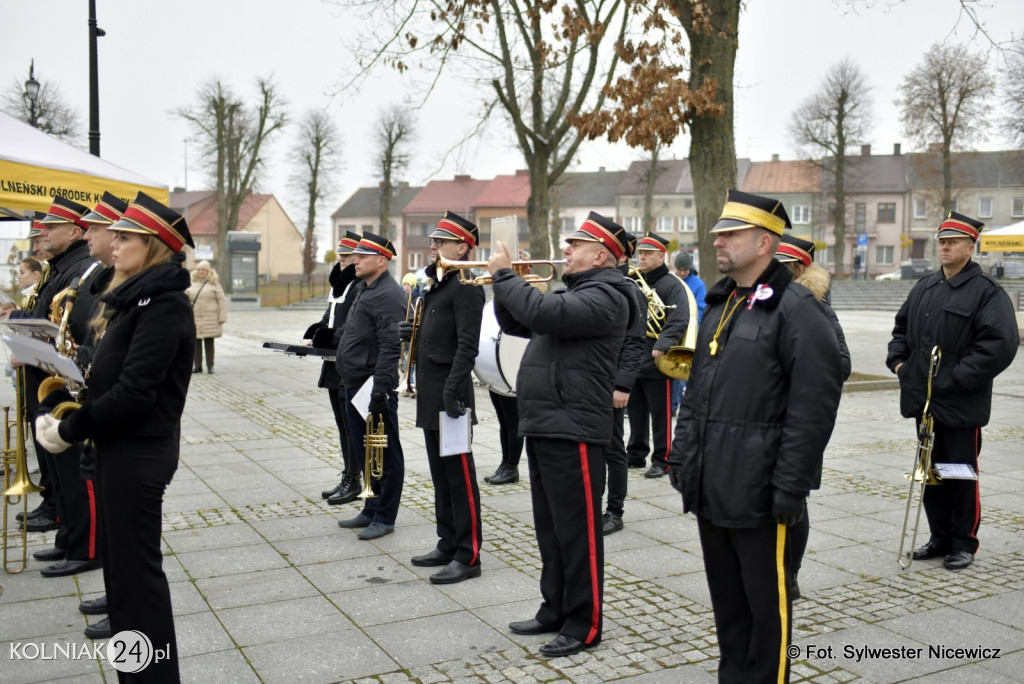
(64, 210)
(147, 216)
(601, 229)
(348, 243)
(371, 243)
(652, 242)
(109, 209)
(957, 225)
(454, 227)
(792, 248)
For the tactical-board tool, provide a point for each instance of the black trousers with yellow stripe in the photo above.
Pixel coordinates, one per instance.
(747, 570)
(566, 485)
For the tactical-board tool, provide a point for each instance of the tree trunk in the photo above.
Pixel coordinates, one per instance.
(712, 140)
(309, 245)
(538, 207)
(652, 178)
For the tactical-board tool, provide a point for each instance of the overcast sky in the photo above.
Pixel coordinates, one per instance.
(155, 54)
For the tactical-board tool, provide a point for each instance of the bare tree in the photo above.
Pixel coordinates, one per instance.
(49, 112)
(317, 163)
(826, 125)
(232, 136)
(1012, 95)
(946, 100)
(395, 133)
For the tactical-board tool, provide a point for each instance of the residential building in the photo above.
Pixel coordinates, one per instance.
(501, 197)
(576, 194)
(361, 213)
(797, 184)
(421, 214)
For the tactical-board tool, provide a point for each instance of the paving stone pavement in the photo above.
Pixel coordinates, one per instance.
(266, 587)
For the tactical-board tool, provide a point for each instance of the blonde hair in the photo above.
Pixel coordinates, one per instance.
(211, 278)
(156, 253)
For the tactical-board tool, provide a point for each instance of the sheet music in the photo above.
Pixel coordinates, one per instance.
(955, 471)
(39, 328)
(361, 400)
(42, 355)
(456, 434)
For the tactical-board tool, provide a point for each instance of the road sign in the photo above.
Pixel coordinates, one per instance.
(862, 239)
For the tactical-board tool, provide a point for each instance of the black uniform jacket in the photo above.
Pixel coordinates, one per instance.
(65, 270)
(88, 304)
(634, 347)
(142, 365)
(566, 377)
(369, 341)
(971, 318)
(446, 346)
(326, 333)
(673, 293)
(758, 415)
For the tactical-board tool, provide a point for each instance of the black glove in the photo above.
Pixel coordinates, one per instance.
(787, 508)
(452, 406)
(675, 476)
(404, 331)
(52, 399)
(378, 404)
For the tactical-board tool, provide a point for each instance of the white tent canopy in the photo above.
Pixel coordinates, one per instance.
(35, 167)
(1005, 239)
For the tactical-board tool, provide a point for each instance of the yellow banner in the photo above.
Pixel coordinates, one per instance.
(1002, 243)
(23, 186)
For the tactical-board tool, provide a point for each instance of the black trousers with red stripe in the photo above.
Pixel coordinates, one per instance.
(650, 400)
(75, 498)
(747, 572)
(953, 507)
(456, 501)
(566, 485)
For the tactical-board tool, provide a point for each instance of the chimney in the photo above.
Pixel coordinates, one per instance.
(896, 149)
(600, 169)
(178, 189)
(522, 172)
(865, 150)
(462, 178)
(775, 157)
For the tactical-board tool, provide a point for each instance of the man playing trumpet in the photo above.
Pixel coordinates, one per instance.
(446, 347)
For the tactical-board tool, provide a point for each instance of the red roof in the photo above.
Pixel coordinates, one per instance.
(458, 195)
(200, 210)
(506, 191)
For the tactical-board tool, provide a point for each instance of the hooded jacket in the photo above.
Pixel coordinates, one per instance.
(757, 415)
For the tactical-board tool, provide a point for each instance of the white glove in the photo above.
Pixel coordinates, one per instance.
(48, 434)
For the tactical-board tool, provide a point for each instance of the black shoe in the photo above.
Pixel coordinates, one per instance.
(94, 607)
(53, 554)
(504, 476)
(210, 370)
(328, 493)
(958, 560)
(356, 522)
(41, 523)
(70, 567)
(197, 370)
(349, 492)
(533, 626)
(610, 523)
(34, 513)
(455, 572)
(435, 558)
(655, 471)
(99, 630)
(563, 645)
(637, 462)
(930, 550)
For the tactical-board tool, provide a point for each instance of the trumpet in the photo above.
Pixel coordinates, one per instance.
(17, 489)
(923, 474)
(405, 381)
(522, 269)
(376, 441)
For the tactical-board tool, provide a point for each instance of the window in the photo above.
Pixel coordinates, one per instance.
(886, 213)
(985, 207)
(1017, 208)
(665, 224)
(688, 224)
(688, 203)
(884, 255)
(920, 208)
(860, 216)
(415, 260)
(568, 225)
(801, 213)
(634, 224)
(830, 255)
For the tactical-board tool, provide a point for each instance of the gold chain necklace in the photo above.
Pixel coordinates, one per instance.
(723, 321)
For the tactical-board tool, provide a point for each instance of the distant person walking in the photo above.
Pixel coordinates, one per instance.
(210, 309)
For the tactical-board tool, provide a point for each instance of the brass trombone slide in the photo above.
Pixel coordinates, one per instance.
(522, 269)
(923, 474)
(16, 489)
(409, 359)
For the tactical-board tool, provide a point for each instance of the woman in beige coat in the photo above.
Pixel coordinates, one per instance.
(210, 309)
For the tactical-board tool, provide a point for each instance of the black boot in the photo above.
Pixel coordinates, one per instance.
(328, 493)
(351, 487)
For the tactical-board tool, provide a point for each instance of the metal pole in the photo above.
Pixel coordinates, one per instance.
(94, 87)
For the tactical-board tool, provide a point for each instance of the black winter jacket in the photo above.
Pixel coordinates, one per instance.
(447, 344)
(326, 333)
(142, 365)
(757, 416)
(634, 347)
(672, 292)
(971, 318)
(566, 377)
(369, 343)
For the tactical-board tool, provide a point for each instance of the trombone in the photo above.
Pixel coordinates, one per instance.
(376, 441)
(522, 269)
(923, 474)
(17, 489)
(409, 359)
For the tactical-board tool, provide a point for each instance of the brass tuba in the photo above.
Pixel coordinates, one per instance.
(17, 489)
(923, 474)
(376, 441)
(676, 362)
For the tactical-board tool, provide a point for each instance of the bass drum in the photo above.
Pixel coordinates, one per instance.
(497, 362)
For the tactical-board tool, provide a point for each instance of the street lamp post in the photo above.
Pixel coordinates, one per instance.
(31, 94)
(94, 87)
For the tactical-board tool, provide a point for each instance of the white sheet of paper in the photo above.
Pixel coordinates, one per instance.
(456, 434)
(39, 328)
(955, 471)
(361, 399)
(42, 355)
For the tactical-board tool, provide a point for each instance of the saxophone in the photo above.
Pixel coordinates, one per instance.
(60, 314)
